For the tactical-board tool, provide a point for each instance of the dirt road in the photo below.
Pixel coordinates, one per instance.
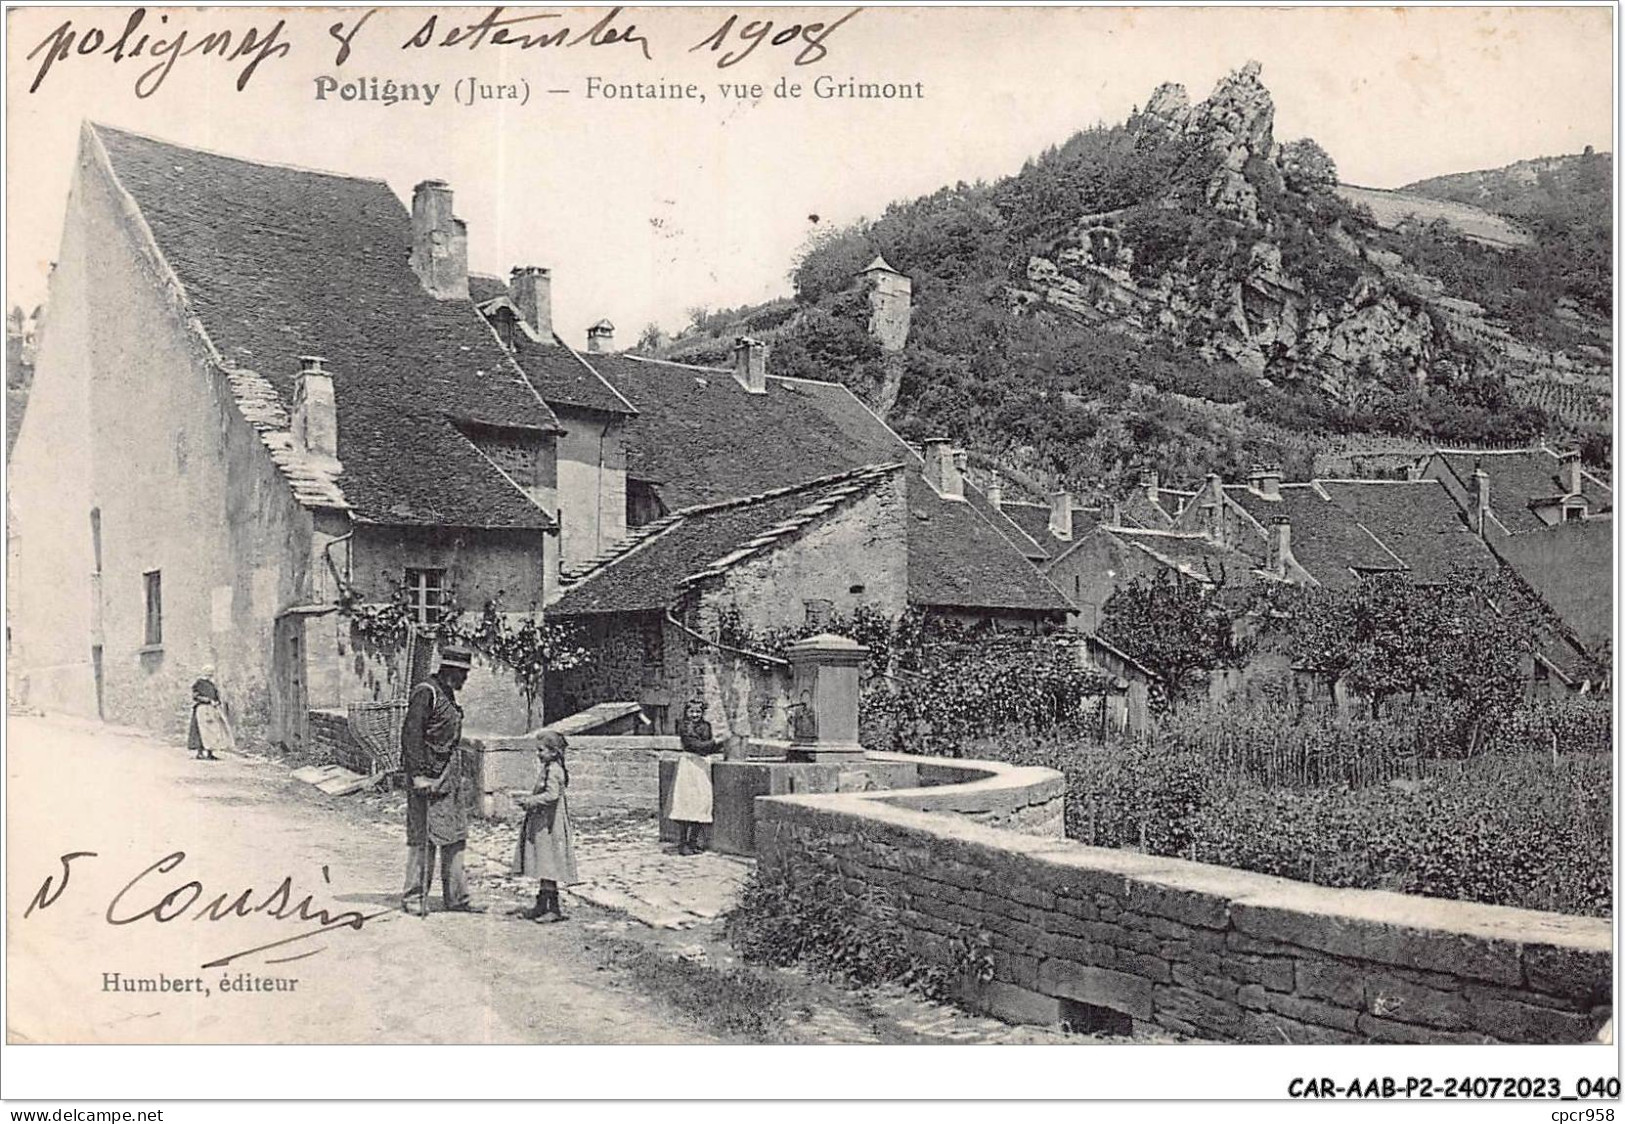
(132, 803)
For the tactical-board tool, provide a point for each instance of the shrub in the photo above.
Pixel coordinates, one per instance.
(1365, 803)
(785, 918)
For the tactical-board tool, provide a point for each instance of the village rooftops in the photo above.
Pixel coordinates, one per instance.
(1327, 541)
(271, 263)
(1415, 520)
(1523, 479)
(1191, 554)
(701, 437)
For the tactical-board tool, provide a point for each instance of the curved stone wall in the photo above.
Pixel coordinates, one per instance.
(1210, 952)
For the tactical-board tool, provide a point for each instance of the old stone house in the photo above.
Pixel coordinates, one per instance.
(686, 607)
(261, 387)
(267, 394)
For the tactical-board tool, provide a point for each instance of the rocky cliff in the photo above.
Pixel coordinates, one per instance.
(1277, 272)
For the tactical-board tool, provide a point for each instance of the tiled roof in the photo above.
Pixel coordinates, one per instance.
(1326, 540)
(1033, 519)
(483, 287)
(1518, 476)
(277, 262)
(648, 571)
(1418, 521)
(701, 437)
(1139, 510)
(1192, 554)
(563, 378)
(1571, 566)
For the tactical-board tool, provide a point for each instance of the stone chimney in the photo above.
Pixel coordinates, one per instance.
(1280, 545)
(1265, 479)
(1569, 470)
(995, 495)
(1480, 496)
(531, 288)
(601, 337)
(942, 469)
(439, 242)
(1060, 515)
(315, 411)
(750, 364)
(1151, 484)
(1213, 509)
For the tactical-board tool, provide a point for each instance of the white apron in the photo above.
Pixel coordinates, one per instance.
(213, 730)
(691, 791)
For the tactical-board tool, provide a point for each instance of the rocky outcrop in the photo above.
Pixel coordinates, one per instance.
(1386, 323)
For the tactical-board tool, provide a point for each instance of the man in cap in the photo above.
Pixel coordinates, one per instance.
(435, 815)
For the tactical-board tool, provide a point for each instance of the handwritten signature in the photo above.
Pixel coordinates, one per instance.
(174, 903)
(163, 45)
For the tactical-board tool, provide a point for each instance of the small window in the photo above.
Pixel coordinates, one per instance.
(1573, 514)
(1542, 673)
(426, 593)
(96, 539)
(153, 581)
(1077, 585)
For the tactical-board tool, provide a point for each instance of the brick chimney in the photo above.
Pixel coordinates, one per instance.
(1265, 479)
(315, 412)
(995, 494)
(531, 288)
(1569, 470)
(942, 469)
(1060, 515)
(1151, 484)
(1280, 545)
(1480, 496)
(439, 242)
(750, 364)
(601, 337)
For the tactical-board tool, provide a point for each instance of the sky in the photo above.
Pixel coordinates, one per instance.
(645, 209)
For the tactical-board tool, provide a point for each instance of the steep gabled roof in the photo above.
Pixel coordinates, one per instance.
(1033, 519)
(276, 262)
(1191, 554)
(563, 378)
(701, 438)
(1518, 477)
(1416, 520)
(1327, 541)
(1571, 567)
(658, 561)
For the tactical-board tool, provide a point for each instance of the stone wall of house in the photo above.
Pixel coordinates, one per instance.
(330, 743)
(592, 484)
(130, 406)
(528, 461)
(630, 658)
(1083, 934)
(855, 556)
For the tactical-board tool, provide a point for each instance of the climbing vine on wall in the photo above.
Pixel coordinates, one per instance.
(932, 683)
(527, 643)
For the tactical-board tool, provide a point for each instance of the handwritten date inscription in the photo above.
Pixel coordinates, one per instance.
(156, 900)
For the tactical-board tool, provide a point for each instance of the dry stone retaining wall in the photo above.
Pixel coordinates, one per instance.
(1076, 932)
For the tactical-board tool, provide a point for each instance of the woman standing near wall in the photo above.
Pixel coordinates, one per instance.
(691, 789)
(209, 729)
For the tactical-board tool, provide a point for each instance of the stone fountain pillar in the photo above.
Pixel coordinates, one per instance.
(824, 698)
